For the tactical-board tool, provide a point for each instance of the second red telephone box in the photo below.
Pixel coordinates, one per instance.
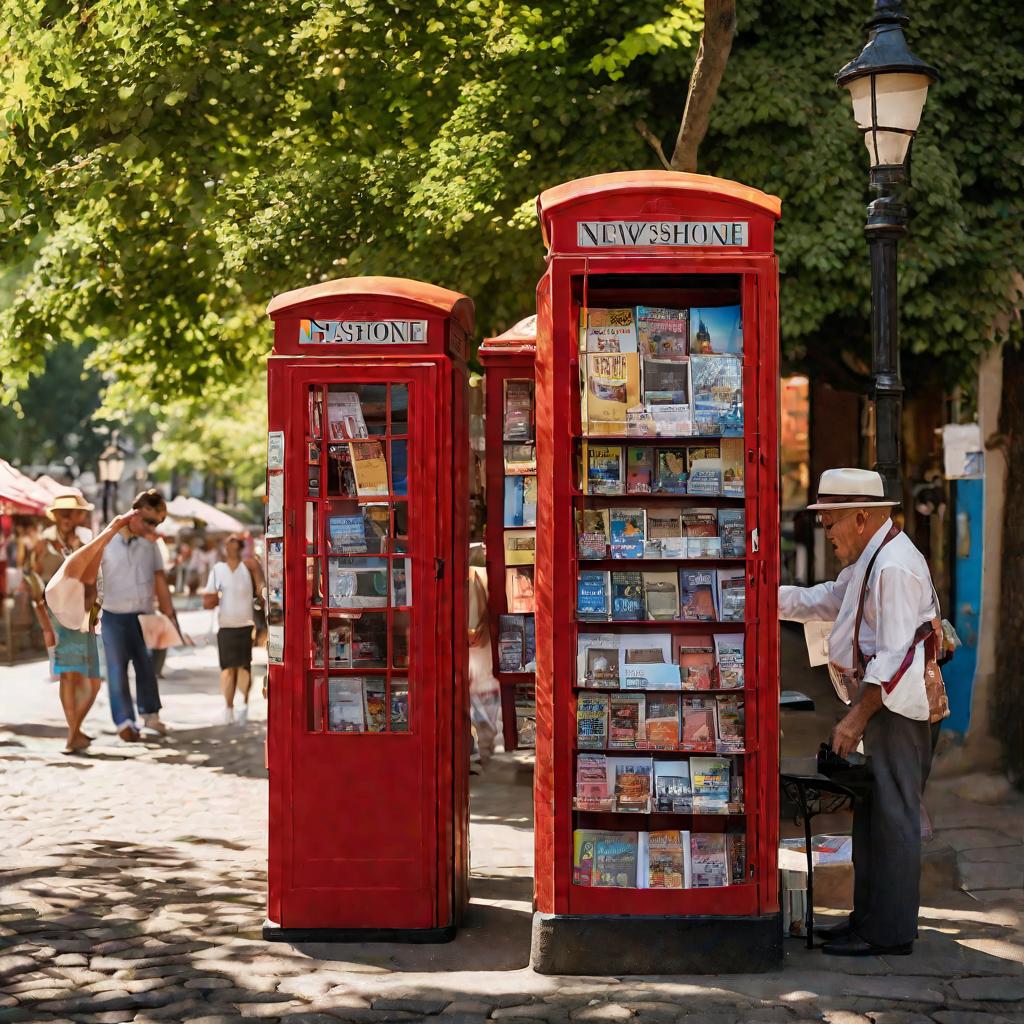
(367, 565)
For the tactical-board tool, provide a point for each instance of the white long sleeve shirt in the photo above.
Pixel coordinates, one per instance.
(899, 598)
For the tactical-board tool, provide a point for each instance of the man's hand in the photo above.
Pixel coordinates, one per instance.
(118, 523)
(847, 733)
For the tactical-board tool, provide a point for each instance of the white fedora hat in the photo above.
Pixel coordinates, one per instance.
(850, 488)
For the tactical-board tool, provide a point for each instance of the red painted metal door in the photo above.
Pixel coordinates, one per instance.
(365, 641)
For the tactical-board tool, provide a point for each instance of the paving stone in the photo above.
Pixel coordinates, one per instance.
(968, 1017)
(71, 960)
(989, 875)
(468, 1006)
(12, 965)
(266, 1009)
(107, 1017)
(652, 1011)
(209, 982)
(462, 1017)
(1002, 990)
(911, 989)
(602, 1012)
(183, 1010)
(899, 1017)
(425, 1005)
(975, 838)
(844, 1017)
(552, 1012)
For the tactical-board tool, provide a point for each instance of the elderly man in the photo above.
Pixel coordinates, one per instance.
(883, 606)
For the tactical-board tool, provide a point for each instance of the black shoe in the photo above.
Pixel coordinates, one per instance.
(854, 945)
(833, 931)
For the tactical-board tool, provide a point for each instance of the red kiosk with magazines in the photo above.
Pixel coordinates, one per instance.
(510, 530)
(366, 566)
(657, 571)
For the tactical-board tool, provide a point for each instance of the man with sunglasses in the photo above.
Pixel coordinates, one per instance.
(882, 606)
(133, 574)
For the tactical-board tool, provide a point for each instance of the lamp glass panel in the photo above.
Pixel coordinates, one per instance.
(900, 98)
(887, 149)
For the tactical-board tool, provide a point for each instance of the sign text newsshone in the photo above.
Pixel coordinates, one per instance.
(600, 234)
(362, 332)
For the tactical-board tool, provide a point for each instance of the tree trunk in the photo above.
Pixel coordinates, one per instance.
(713, 55)
(1008, 706)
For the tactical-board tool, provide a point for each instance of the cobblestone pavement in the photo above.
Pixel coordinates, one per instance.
(133, 890)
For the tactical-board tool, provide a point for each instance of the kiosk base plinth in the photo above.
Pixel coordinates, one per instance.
(564, 944)
(423, 936)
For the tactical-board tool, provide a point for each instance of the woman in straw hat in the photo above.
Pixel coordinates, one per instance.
(76, 655)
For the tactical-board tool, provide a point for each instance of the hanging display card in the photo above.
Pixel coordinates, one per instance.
(275, 449)
(275, 505)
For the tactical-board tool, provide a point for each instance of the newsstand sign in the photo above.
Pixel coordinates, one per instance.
(639, 234)
(362, 332)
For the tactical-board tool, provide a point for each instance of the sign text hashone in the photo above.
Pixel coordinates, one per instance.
(362, 332)
(639, 234)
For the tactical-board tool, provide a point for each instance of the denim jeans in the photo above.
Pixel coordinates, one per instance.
(123, 643)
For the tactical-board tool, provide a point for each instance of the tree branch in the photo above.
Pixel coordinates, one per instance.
(713, 55)
(641, 126)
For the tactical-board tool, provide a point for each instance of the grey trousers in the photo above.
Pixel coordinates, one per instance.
(887, 831)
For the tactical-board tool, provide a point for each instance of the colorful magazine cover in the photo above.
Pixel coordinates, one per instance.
(603, 468)
(663, 333)
(729, 716)
(732, 467)
(345, 705)
(518, 410)
(709, 865)
(608, 330)
(592, 537)
(698, 725)
(632, 783)
(375, 704)
(661, 595)
(717, 330)
(625, 720)
(627, 532)
(370, 468)
(672, 791)
(592, 778)
(697, 595)
(666, 860)
(662, 720)
(592, 721)
(731, 595)
(709, 781)
(346, 535)
(666, 382)
(345, 416)
(670, 472)
(613, 388)
(627, 596)
(593, 599)
(639, 470)
(716, 389)
(696, 660)
(729, 656)
(732, 529)
(615, 859)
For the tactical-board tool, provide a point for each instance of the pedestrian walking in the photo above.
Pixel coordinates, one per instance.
(75, 653)
(133, 576)
(885, 614)
(234, 587)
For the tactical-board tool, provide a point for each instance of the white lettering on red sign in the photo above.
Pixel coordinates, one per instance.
(642, 234)
(362, 332)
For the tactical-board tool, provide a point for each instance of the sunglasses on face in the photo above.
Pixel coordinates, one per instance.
(151, 522)
(833, 523)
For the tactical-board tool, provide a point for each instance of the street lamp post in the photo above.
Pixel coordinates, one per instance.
(111, 469)
(888, 86)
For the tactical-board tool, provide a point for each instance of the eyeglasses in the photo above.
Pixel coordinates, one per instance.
(151, 522)
(829, 527)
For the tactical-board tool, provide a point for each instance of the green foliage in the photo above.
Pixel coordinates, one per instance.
(168, 165)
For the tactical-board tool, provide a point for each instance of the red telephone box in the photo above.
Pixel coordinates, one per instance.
(510, 534)
(657, 554)
(367, 566)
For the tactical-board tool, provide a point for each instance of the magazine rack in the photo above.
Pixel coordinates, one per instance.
(367, 544)
(510, 425)
(692, 251)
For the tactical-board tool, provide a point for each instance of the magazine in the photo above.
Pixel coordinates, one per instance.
(732, 466)
(401, 582)
(592, 721)
(736, 852)
(345, 416)
(602, 667)
(603, 469)
(729, 719)
(663, 333)
(729, 656)
(375, 705)
(672, 792)
(709, 780)
(518, 410)
(666, 382)
(698, 725)
(519, 597)
(613, 388)
(346, 535)
(626, 720)
(520, 547)
(345, 705)
(627, 590)
(519, 459)
(526, 714)
(731, 594)
(627, 532)
(510, 643)
(353, 583)
(399, 705)
(370, 468)
(705, 477)
(716, 389)
(670, 472)
(592, 788)
(593, 530)
(615, 859)
(632, 783)
(709, 866)
(608, 330)
(732, 529)
(696, 660)
(666, 860)
(662, 721)
(697, 594)
(639, 470)
(661, 595)
(718, 330)
(593, 594)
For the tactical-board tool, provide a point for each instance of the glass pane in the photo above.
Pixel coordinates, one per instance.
(341, 481)
(315, 414)
(316, 693)
(345, 711)
(354, 529)
(357, 582)
(275, 576)
(399, 408)
(356, 410)
(399, 467)
(369, 640)
(401, 526)
(339, 642)
(315, 641)
(400, 630)
(375, 703)
(399, 704)
(314, 582)
(310, 528)
(401, 582)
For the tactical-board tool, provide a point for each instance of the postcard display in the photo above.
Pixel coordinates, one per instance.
(368, 737)
(510, 531)
(657, 637)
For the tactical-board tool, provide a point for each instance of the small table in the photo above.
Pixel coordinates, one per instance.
(814, 794)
